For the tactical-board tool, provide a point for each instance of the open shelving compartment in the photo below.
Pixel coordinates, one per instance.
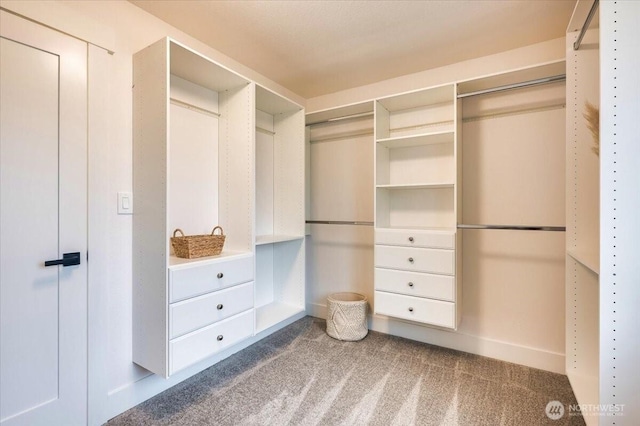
(192, 162)
(416, 160)
(208, 115)
(280, 209)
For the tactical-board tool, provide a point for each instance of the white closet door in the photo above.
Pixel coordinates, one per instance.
(43, 177)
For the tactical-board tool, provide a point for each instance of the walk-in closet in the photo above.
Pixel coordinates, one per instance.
(319, 212)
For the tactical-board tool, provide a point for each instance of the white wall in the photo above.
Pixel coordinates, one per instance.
(513, 282)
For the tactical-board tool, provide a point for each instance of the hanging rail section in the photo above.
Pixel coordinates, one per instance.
(338, 222)
(515, 227)
(536, 82)
(585, 27)
(345, 117)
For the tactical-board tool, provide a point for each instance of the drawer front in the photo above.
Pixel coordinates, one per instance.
(200, 279)
(428, 311)
(192, 314)
(415, 259)
(416, 284)
(416, 238)
(191, 348)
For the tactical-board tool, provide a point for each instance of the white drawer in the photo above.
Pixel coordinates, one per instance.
(416, 238)
(428, 311)
(415, 259)
(199, 279)
(191, 348)
(197, 312)
(416, 284)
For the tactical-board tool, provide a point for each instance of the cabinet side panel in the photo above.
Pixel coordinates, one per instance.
(583, 223)
(620, 204)
(458, 210)
(150, 245)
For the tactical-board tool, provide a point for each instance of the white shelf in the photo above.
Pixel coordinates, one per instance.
(274, 239)
(337, 114)
(588, 259)
(418, 140)
(272, 103)
(179, 262)
(192, 66)
(417, 186)
(274, 313)
(419, 98)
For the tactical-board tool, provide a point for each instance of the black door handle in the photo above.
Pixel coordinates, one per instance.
(68, 259)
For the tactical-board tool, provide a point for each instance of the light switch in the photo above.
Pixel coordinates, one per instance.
(125, 203)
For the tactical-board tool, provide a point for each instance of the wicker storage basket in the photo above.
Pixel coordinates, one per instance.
(193, 246)
(347, 316)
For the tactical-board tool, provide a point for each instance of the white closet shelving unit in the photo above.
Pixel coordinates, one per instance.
(583, 221)
(416, 207)
(192, 154)
(280, 210)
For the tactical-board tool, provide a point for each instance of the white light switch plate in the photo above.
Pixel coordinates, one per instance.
(125, 203)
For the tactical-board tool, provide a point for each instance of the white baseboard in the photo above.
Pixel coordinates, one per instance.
(504, 351)
(128, 396)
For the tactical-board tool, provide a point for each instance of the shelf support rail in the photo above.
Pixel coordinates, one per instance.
(585, 27)
(515, 227)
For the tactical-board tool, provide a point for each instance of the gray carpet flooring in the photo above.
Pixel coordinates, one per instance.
(301, 376)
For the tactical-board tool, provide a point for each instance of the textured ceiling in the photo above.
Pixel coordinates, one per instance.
(319, 47)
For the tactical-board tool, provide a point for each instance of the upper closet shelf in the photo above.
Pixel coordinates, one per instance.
(515, 78)
(272, 103)
(192, 66)
(417, 186)
(420, 98)
(273, 239)
(417, 140)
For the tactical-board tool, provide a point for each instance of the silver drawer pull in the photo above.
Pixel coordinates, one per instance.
(410, 239)
(411, 260)
(410, 310)
(220, 337)
(220, 306)
(220, 275)
(410, 284)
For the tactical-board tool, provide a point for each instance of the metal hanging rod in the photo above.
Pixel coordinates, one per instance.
(515, 227)
(345, 117)
(585, 27)
(265, 131)
(536, 82)
(338, 222)
(187, 105)
(343, 136)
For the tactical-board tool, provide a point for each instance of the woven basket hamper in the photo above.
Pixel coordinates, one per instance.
(347, 316)
(194, 246)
